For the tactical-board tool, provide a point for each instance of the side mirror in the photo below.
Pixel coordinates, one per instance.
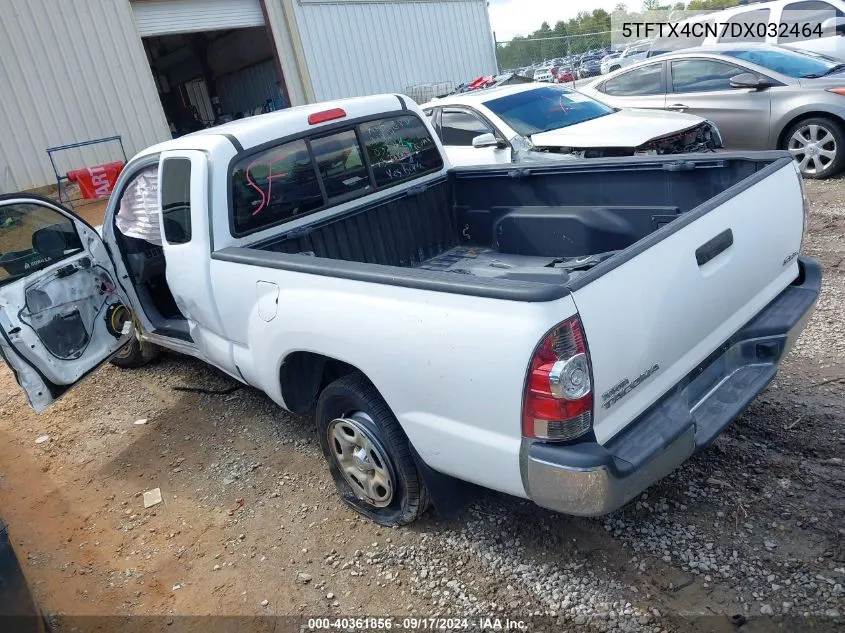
(488, 140)
(834, 25)
(55, 239)
(750, 80)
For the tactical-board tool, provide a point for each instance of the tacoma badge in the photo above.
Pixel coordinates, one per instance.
(625, 386)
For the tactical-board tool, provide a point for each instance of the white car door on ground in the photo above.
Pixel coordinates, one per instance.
(458, 128)
(62, 310)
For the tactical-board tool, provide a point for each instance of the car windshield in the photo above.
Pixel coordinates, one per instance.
(547, 108)
(796, 64)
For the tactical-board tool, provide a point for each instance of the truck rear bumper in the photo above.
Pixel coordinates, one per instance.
(589, 479)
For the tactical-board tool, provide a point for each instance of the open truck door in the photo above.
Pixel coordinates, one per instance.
(62, 310)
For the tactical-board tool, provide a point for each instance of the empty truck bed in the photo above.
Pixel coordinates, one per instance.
(544, 225)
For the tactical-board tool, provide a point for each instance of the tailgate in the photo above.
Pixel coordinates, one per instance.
(670, 300)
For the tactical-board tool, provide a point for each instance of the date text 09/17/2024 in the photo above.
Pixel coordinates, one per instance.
(478, 623)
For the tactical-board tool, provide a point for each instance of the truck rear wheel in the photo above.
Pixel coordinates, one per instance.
(368, 453)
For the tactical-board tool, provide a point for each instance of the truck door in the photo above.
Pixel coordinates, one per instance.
(184, 201)
(62, 310)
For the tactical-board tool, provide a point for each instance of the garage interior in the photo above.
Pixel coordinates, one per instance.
(211, 77)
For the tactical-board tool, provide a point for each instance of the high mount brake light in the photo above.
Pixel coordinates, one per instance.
(326, 115)
(558, 400)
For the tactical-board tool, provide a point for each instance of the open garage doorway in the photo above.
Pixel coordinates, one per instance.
(211, 77)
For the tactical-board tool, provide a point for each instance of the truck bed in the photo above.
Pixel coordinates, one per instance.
(543, 225)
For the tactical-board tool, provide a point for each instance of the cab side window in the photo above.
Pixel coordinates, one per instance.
(176, 200)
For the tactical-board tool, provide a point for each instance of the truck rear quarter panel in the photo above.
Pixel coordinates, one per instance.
(451, 367)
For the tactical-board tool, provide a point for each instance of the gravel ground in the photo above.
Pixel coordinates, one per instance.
(749, 535)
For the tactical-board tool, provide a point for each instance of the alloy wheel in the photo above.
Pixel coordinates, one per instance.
(814, 148)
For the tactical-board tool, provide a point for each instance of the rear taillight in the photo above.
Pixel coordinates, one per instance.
(558, 400)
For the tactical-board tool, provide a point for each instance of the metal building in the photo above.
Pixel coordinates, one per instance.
(77, 70)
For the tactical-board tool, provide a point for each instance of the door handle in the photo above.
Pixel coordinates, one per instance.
(713, 247)
(680, 107)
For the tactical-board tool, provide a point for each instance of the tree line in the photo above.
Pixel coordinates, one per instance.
(586, 31)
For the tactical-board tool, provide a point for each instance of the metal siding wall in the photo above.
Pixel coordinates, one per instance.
(160, 17)
(287, 56)
(360, 48)
(71, 71)
(249, 88)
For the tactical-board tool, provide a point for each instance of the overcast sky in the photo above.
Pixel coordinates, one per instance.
(521, 17)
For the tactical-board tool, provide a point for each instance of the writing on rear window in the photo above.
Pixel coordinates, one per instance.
(299, 177)
(399, 148)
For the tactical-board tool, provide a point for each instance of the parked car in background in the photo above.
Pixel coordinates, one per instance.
(629, 55)
(565, 74)
(532, 122)
(760, 97)
(544, 74)
(807, 25)
(589, 67)
(607, 61)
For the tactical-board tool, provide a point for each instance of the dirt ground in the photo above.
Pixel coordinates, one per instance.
(751, 528)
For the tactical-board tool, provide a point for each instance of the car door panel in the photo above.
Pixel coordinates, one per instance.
(62, 310)
(702, 87)
(742, 115)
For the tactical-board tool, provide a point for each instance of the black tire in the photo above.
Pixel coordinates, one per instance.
(834, 131)
(613, 69)
(354, 394)
(135, 355)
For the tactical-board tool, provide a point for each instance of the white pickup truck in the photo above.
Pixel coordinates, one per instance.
(565, 332)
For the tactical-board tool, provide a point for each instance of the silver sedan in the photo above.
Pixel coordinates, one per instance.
(760, 96)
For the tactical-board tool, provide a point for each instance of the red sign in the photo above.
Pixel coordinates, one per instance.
(98, 181)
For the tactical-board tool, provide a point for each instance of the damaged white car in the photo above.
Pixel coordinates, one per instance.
(531, 122)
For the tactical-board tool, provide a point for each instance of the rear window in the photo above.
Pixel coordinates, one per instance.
(398, 149)
(300, 177)
(340, 164)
